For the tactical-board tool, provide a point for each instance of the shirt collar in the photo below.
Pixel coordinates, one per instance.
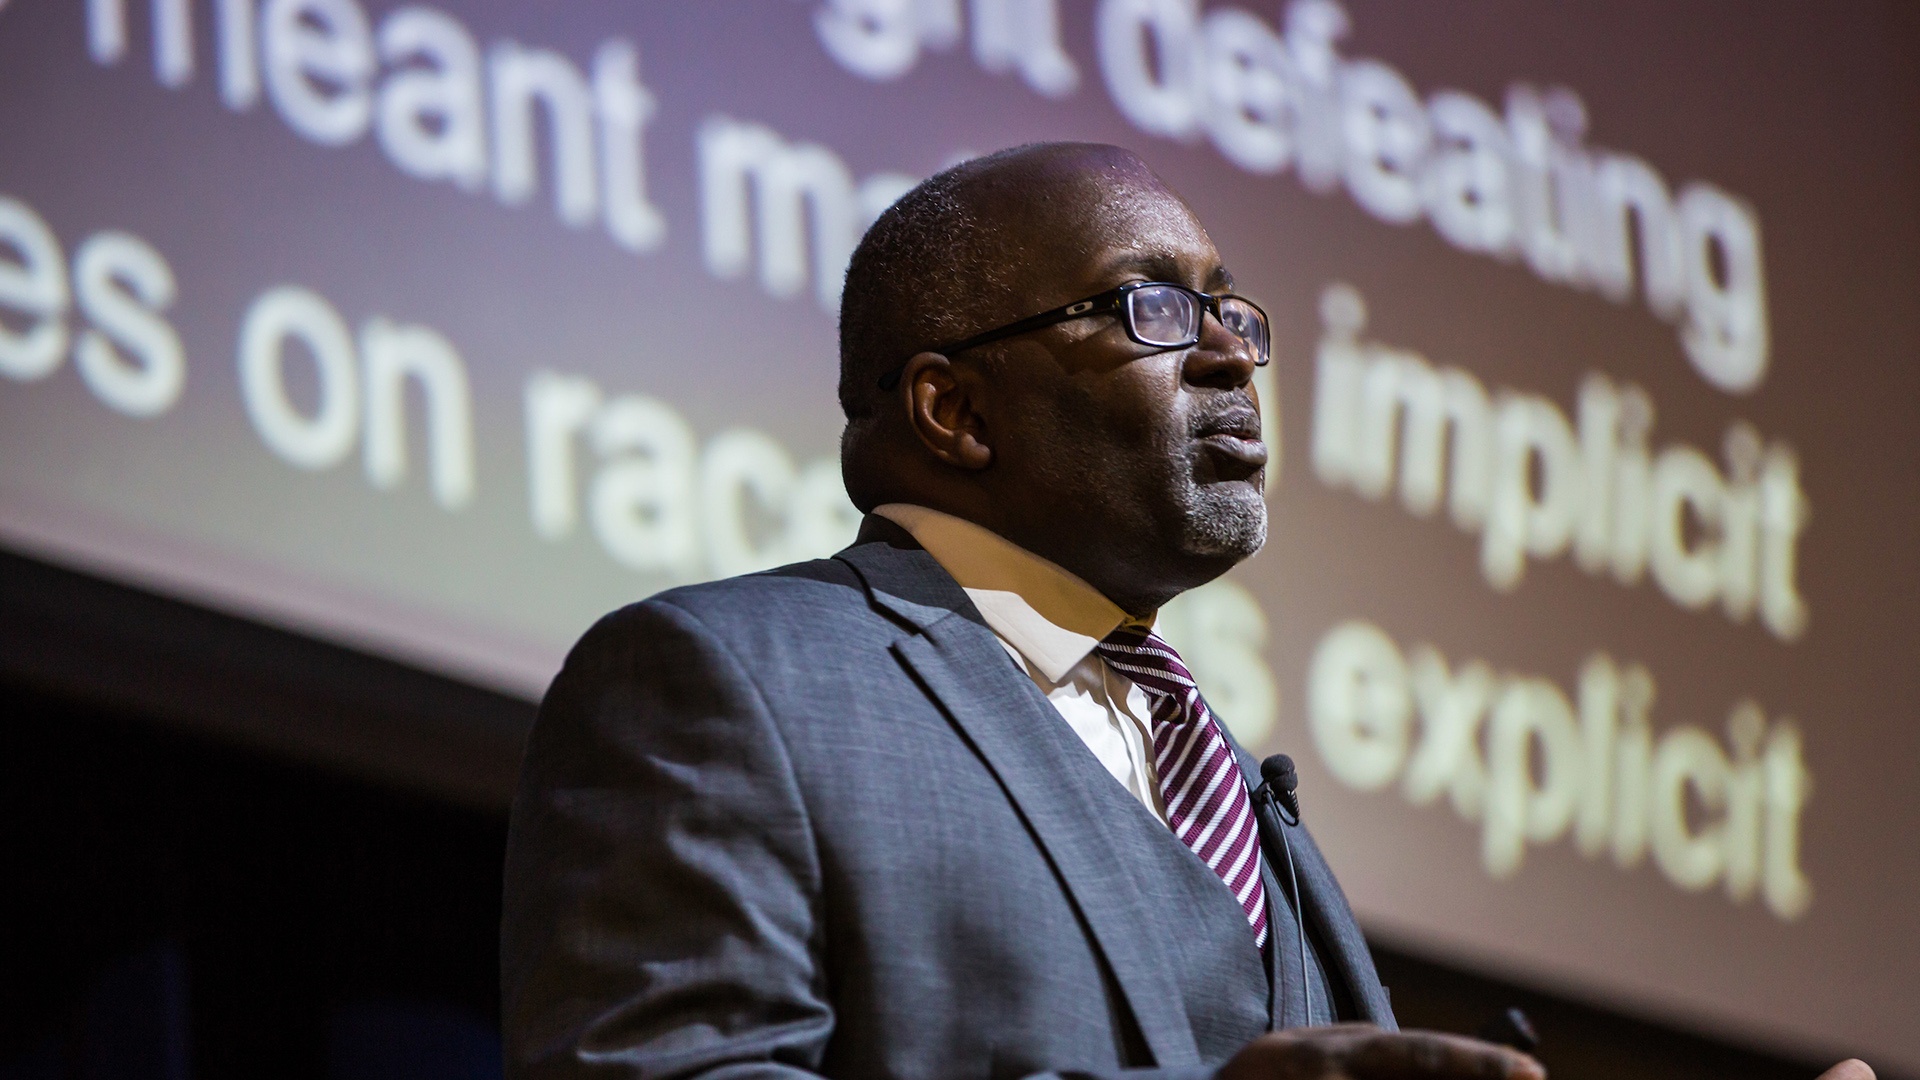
(1050, 616)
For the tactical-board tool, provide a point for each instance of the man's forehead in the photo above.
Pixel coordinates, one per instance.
(1097, 210)
(1043, 165)
(1071, 185)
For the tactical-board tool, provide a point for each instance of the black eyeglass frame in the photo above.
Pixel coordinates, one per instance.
(1112, 301)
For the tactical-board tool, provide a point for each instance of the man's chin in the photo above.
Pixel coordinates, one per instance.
(1223, 523)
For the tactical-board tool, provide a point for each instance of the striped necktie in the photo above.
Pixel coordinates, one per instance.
(1200, 782)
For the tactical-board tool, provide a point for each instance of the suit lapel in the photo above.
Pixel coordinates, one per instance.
(1329, 917)
(1273, 957)
(1005, 718)
(1329, 920)
(1035, 758)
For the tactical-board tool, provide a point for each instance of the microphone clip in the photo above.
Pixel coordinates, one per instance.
(1280, 782)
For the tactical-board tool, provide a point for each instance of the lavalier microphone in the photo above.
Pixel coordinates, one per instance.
(1278, 792)
(1283, 783)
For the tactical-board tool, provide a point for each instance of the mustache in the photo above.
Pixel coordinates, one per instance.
(1233, 414)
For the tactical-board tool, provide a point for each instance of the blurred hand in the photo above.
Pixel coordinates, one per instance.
(1850, 1069)
(1364, 1052)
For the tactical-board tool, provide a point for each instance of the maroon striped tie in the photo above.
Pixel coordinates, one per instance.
(1200, 782)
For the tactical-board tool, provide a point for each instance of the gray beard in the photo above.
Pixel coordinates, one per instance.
(1223, 519)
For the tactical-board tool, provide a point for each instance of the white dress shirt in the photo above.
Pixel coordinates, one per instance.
(1049, 621)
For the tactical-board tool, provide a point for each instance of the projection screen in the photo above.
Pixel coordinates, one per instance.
(1588, 609)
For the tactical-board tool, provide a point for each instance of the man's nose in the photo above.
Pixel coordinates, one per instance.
(1221, 358)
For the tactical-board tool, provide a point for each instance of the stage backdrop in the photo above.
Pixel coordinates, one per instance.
(1588, 609)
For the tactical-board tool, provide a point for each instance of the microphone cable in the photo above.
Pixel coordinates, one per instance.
(1279, 786)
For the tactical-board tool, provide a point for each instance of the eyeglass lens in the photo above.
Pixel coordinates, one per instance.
(1244, 321)
(1164, 315)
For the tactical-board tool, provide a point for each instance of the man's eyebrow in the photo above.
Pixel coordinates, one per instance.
(1153, 267)
(1161, 267)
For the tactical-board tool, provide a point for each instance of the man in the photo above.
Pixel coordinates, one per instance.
(942, 805)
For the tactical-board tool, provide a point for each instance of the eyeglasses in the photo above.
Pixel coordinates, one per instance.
(1157, 314)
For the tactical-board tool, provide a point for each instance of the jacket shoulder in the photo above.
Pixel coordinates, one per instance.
(801, 606)
(818, 588)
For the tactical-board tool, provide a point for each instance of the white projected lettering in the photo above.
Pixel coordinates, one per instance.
(319, 60)
(130, 357)
(1534, 484)
(743, 471)
(659, 504)
(625, 107)
(1525, 186)
(641, 496)
(435, 107)
(431, 115)
(1159, 98)
(362, 392)
(33, 289)
(1531, 764)
(1513, 752)
(395, 356)
(280, 317)
(526, 81)
(1522, 184)
(790, 185)
(172, 37)
(882, 39)
(127, 353)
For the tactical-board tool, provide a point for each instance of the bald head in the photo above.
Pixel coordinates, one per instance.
(967, 249)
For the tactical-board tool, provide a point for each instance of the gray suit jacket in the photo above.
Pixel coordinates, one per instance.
(813, 822)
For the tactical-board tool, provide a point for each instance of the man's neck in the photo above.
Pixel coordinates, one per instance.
(980, 557)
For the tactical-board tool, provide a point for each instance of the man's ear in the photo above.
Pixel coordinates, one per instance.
(944, 407)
